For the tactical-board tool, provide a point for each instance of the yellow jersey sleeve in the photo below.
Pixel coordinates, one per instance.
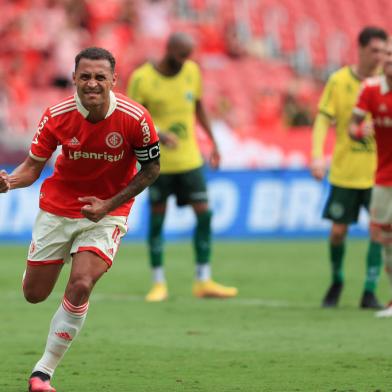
(327, 104)
(319, 133)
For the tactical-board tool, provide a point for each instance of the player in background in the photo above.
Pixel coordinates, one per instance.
(85, 203)
(171, 89)
(376, 98)
(352, 169)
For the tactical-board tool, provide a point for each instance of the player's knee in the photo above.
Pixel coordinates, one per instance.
(338, 234)
(81, 287)
(337, 237)
(33, 295)
(381, 235)
(376, 235)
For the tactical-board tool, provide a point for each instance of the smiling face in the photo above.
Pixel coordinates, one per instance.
(93, 80)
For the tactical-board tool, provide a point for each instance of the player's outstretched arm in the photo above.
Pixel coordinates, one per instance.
(24, 175)
(95, 209)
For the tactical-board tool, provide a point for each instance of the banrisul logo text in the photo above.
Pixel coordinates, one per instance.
(95, 155)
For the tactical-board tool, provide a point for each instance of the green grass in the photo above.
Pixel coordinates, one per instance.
(273, 337)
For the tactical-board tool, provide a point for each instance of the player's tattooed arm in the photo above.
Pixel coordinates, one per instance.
(95, 209)
(23, 176)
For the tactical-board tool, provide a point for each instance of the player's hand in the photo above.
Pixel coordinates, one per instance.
(168, 139)
(359, 132)
(94, 209)
(318, 169)
(5, 185)
(215, 158)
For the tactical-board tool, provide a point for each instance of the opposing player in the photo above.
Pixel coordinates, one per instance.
(85, 203)
(376, 99)
(353, 164)
(171, 90)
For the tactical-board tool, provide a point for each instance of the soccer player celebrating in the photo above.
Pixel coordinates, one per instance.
(85, 203)
(353, 164)
(171, 90)
(376, 98)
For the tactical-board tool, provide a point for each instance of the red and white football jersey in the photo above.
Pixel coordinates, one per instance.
(376, 98)
(96, 159)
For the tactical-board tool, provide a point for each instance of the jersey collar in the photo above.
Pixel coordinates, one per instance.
(84, 112)
(384, 88)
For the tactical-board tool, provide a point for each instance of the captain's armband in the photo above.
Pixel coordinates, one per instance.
(148, 153)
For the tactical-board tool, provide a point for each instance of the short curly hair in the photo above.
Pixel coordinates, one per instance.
(370, 32)
(95, 53)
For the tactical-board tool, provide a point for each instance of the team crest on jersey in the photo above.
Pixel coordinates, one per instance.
(114, 140)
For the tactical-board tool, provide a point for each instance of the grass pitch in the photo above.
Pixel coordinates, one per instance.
(273, 337)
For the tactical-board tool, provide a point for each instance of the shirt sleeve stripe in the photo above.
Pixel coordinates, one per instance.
(127, 112)
(36, 158)
(135, 108)
(359, 111)
(326, 114)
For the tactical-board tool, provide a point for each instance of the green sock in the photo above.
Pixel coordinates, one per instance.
(155, 239)
(202, 237)
(336, 254)
(373, 266)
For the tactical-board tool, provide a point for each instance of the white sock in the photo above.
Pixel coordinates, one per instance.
(203, 272)
(158, 275)
(65, 326)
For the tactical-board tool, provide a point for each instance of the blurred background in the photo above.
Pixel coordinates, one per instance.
(264, 64)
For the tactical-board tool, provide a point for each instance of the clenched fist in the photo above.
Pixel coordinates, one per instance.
(5, 185)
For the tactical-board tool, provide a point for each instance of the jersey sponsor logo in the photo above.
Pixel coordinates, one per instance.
(114, 139)
(385, 122)
(75, 155)
(74, 142)
(189, 96)
(40, 128)
(179, 129)
(146, 132)
(149, 153)
(336, 210)
(64, 335)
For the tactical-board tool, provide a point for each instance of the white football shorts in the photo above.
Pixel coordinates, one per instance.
(381, 205)
(55, 238)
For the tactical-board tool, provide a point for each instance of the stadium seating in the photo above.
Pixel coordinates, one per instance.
(252, 54)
